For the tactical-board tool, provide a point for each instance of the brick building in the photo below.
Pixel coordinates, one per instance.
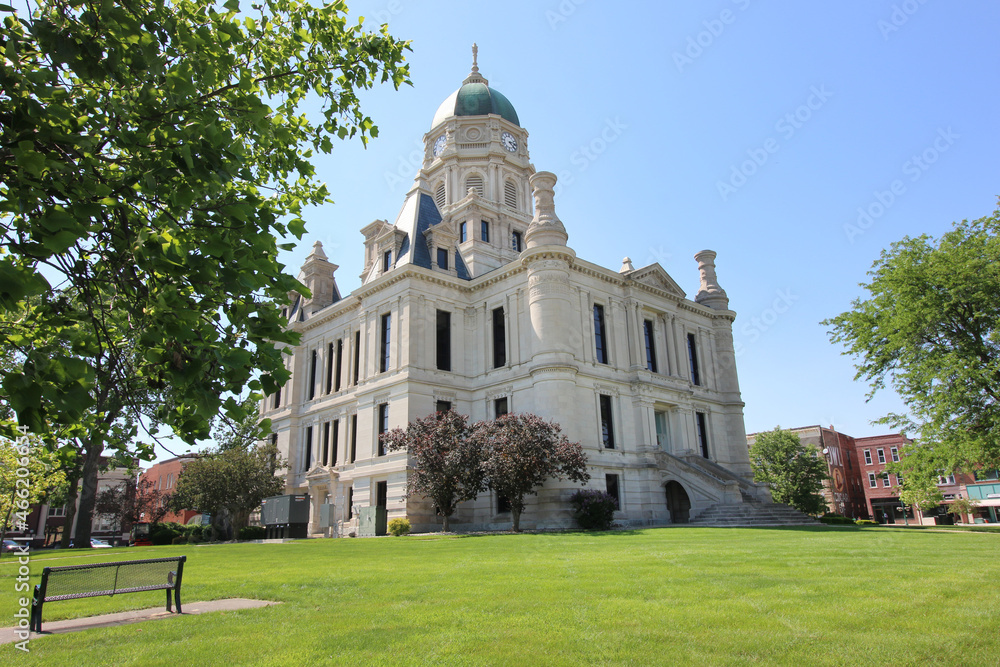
(163, 476)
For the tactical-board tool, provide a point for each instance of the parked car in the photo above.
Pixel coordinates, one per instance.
(94, 544)
(11, 545)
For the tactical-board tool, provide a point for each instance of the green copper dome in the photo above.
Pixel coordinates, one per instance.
(475, 98)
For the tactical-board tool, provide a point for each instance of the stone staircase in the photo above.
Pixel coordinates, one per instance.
(752, 515)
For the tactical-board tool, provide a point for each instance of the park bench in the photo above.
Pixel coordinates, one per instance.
(71, 582)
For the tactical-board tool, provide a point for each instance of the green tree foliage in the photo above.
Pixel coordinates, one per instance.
(521, 451)
(152, 151)
(445, 466)
(229, 484)
(794, 471)
(29, 473)
(930, 327)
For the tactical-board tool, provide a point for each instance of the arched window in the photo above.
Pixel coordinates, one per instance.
(439, 196)
(510, 194)
(475, 182)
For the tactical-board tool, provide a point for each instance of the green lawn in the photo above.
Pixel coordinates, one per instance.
(816, 596)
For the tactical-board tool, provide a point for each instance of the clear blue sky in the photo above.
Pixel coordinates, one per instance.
(649, 113)
(645, 111)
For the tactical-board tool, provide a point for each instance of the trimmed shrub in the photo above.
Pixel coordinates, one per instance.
(594, 510)
(180, 539)
(399, 527)
(162, 534)
(832, 519)
(251, 533)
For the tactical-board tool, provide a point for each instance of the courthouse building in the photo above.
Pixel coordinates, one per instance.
(472, 299)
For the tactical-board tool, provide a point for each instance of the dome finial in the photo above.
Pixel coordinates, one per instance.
(475, 76)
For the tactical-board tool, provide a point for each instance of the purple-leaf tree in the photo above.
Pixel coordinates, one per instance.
(445, 466)
(521, 451)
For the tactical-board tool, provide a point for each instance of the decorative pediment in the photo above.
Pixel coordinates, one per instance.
(654, 276)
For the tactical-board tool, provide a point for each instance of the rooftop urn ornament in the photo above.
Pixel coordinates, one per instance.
(546, 228)
(710, 292)
(626, 266)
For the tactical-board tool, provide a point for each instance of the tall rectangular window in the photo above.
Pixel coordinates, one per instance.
(307, 450)
(647, 329)
(357, 355)
(702, 433)
(600, 335)
(485, 231)
(463, 232)
(662, 436)
(500, 406)
(383, 426)
(881, 455)
(326, 443)
(354, 438)
(607, 422)
(334, 439)
(895, 454)
(330, 352)
(386, 260)
(277, 398)
(868, 457)
(350, 503)
(693, 359)
(885, 480)
(443, 340)
(499, 339)
(386, 343)
(611, 485)
(443, 258)
(871, 480)
(312, 373)
(381, 494)
(517, 242)
(442, 406)
(339, 364)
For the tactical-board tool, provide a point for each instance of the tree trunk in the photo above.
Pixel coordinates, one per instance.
(71, 496)
(88, 495)
(446, 523)
(515, 514)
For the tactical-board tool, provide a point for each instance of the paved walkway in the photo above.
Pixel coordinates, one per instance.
(8, 636)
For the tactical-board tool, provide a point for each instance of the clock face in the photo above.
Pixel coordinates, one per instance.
(439, 145)
(508, 141)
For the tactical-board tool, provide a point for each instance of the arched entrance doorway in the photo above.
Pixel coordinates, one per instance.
(678, 503)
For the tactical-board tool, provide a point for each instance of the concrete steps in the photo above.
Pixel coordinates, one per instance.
(753, 515)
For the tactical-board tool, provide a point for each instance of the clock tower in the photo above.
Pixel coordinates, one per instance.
(475, 173)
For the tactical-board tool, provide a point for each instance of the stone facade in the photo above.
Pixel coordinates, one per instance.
(472, 299)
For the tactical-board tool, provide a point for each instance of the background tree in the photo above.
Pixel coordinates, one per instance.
(521, 451)
(445, 466)
(44, 479)
(963, 508)
(133, 501)
(794, 471)
(930, 327)
(228, 485)
(152, 153)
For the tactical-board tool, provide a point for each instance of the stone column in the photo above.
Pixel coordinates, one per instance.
(547, 260)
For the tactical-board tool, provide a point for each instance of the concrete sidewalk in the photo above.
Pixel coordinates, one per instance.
(8, 636)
